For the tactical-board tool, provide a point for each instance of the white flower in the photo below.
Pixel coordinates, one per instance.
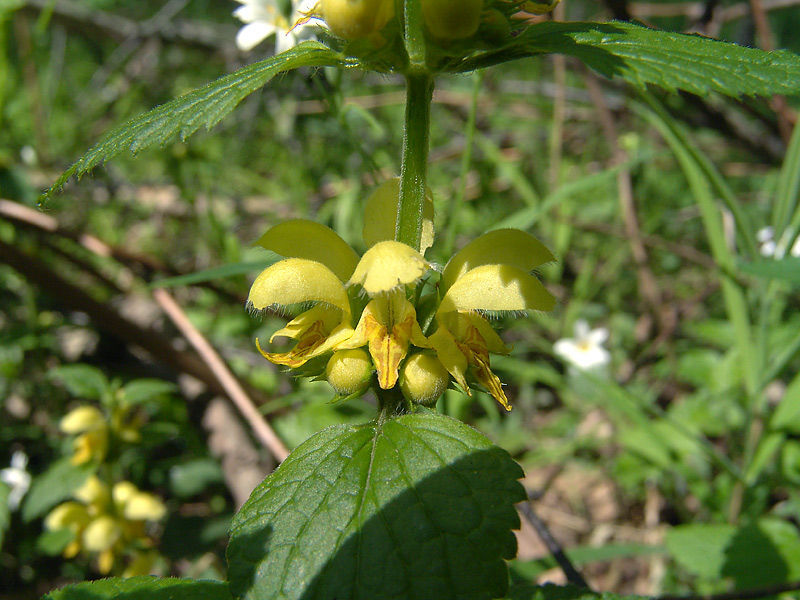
(585, 351)
(770, 248)
(264, 18)
(17, 478)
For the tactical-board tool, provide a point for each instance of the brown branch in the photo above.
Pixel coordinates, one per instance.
(143, 265)
(97, 23)
(233, 389)
(72, 297)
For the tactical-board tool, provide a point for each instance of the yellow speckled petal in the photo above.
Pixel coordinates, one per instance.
(497, 287)
(296, 280)
(450, 355)
(388, 265)
(500, 247)
(388, 325)
(380, 215)
(327, 316)
(458, 325)
(301, 238)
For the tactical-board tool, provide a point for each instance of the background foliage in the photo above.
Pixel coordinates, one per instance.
(669, 474)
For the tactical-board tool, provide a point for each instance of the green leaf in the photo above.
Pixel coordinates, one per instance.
(643, 56)
(787, 269)
(5, 513)
(787, 414)
(192, 477)
(240, 268)
(763, 553)
(141, 390)
(52, 543)
(53, 486)
(203, 107)
(82, 381)
(700, 548)
(142, 588)
(415, 507)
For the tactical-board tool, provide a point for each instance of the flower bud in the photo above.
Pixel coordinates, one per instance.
(356, 19)
(424, 379)
(452, 19)
(349, 371)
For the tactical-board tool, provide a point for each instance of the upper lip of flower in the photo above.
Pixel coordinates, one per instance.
(491, 273)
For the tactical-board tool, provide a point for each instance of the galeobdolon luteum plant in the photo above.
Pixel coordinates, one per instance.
(412, 504)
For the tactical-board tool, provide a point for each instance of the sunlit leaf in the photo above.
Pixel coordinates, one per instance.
(203, 107)
(142, 588)
(415, 507)
(644, 56)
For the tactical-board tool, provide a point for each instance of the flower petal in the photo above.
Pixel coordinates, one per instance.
(497, 287)
(388, 265)
(458, 325)
(502, 246)
(389, 325)
(252, 34)
(296, 280)
(380, 215)
(450, 355)
(301, 238)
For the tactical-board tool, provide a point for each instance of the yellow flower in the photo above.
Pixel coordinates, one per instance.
(375, 301)
(91, 424)
(108, 524)
(95, 428)
(490, 274)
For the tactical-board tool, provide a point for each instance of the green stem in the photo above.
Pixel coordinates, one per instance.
(414, 170)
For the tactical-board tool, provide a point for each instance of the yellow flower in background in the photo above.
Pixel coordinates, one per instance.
(375, 302)
(109, 524)
(91, 425)
(94, 429)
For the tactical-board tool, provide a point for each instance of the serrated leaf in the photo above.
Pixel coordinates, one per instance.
(82, 381)
(143, 588)
(415, 507)
(643, 56)
(140, 390)
(203, 107)
(787, 269)
(54, 485)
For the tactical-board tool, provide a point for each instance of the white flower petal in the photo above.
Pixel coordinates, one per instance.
(253, 34)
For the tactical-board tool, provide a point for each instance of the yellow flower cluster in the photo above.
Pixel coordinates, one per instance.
(110, 523)
(445, 20)
(390, 317)
(93, 430)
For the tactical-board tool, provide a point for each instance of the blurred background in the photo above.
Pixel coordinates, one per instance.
(661, 455)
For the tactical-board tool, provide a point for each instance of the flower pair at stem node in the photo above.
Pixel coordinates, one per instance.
(390, 318)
